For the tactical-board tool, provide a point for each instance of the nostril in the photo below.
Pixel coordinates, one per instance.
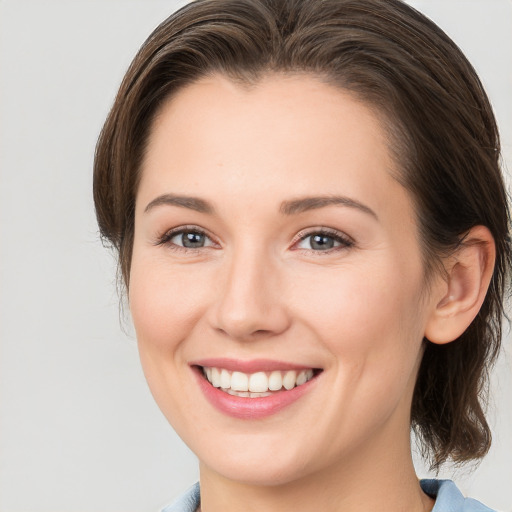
(261, 333)
(245, 334)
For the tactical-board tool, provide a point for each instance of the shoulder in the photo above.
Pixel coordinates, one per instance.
(449, 498)
(187, 502)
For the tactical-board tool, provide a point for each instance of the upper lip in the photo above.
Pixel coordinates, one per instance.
(252, 366)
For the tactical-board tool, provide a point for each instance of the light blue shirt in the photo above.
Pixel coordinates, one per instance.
(448, 499)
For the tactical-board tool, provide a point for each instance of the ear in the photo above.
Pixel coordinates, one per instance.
(458, 298)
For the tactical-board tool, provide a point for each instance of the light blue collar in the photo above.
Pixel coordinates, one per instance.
(448, 498)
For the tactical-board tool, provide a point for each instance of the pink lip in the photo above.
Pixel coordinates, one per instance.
(250, 408)
(253, 366)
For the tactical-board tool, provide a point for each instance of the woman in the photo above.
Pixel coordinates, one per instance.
(313, 233)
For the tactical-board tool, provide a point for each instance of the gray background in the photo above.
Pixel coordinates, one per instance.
(78, 428)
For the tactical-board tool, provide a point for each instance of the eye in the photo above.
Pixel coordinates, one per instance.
(186, 238)
(189, 239)
(323, 240)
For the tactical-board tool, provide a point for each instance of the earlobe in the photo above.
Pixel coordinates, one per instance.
(464, 288)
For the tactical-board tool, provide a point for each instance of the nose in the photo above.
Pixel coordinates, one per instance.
(249, 303)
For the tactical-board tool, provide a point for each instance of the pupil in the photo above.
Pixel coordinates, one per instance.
(192, 240)
(322, 242)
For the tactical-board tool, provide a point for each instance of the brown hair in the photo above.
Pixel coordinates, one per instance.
(442, 133)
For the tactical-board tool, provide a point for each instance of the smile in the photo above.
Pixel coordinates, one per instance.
(253, 390)
(255, 385)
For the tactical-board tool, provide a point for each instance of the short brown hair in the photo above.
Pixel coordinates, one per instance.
(442, 132)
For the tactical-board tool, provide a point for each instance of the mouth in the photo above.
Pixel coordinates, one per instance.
(255, 389)
(259, 384)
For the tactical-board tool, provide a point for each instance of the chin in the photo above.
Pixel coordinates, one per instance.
(266, 473)
(260, 464)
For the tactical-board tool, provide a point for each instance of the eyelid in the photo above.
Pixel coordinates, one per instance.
(345, 240)
(167, 236)
(340, 236)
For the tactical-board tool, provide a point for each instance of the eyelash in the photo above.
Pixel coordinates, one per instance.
(338, 237)
(166, 238)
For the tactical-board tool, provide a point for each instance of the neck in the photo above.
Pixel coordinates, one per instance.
(380, 477)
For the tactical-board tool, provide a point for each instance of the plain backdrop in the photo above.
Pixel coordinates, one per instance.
(78, 428)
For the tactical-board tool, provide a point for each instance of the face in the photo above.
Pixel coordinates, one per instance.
(277, 285)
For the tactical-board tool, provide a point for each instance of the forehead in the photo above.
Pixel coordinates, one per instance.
(287, 135)
(296, 105)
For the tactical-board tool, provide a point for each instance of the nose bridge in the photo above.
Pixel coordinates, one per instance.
(249, 305)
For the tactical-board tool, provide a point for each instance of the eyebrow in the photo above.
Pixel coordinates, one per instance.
(289, 207)
(192, 203)
(295, 206)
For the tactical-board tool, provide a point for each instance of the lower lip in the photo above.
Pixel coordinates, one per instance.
(250, 408)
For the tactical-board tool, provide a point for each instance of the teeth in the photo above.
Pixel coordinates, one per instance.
(246, 394)
(225, 379)
(239, 382)
(275, 381)
(289, 379)
(301, 378)
(257, 384)
(215, 379)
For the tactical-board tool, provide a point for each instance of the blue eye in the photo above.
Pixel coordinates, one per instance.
(183, 238)
(323, 241)
(189, 239)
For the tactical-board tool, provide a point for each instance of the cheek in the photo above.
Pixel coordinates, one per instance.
(370, 320)
(165, 305)
(165, 301)
(356, 302)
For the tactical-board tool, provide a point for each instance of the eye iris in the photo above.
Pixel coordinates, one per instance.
(192, 240)
(322, 242)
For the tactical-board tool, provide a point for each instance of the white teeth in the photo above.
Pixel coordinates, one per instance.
(244, 394)
(301, 378)
(289, 379)
(257, 384)
(259, 395)
(275, 381)
(239, 381)
(225, 379)
(215, 377)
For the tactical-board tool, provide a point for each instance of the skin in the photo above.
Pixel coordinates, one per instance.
(259, 290)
